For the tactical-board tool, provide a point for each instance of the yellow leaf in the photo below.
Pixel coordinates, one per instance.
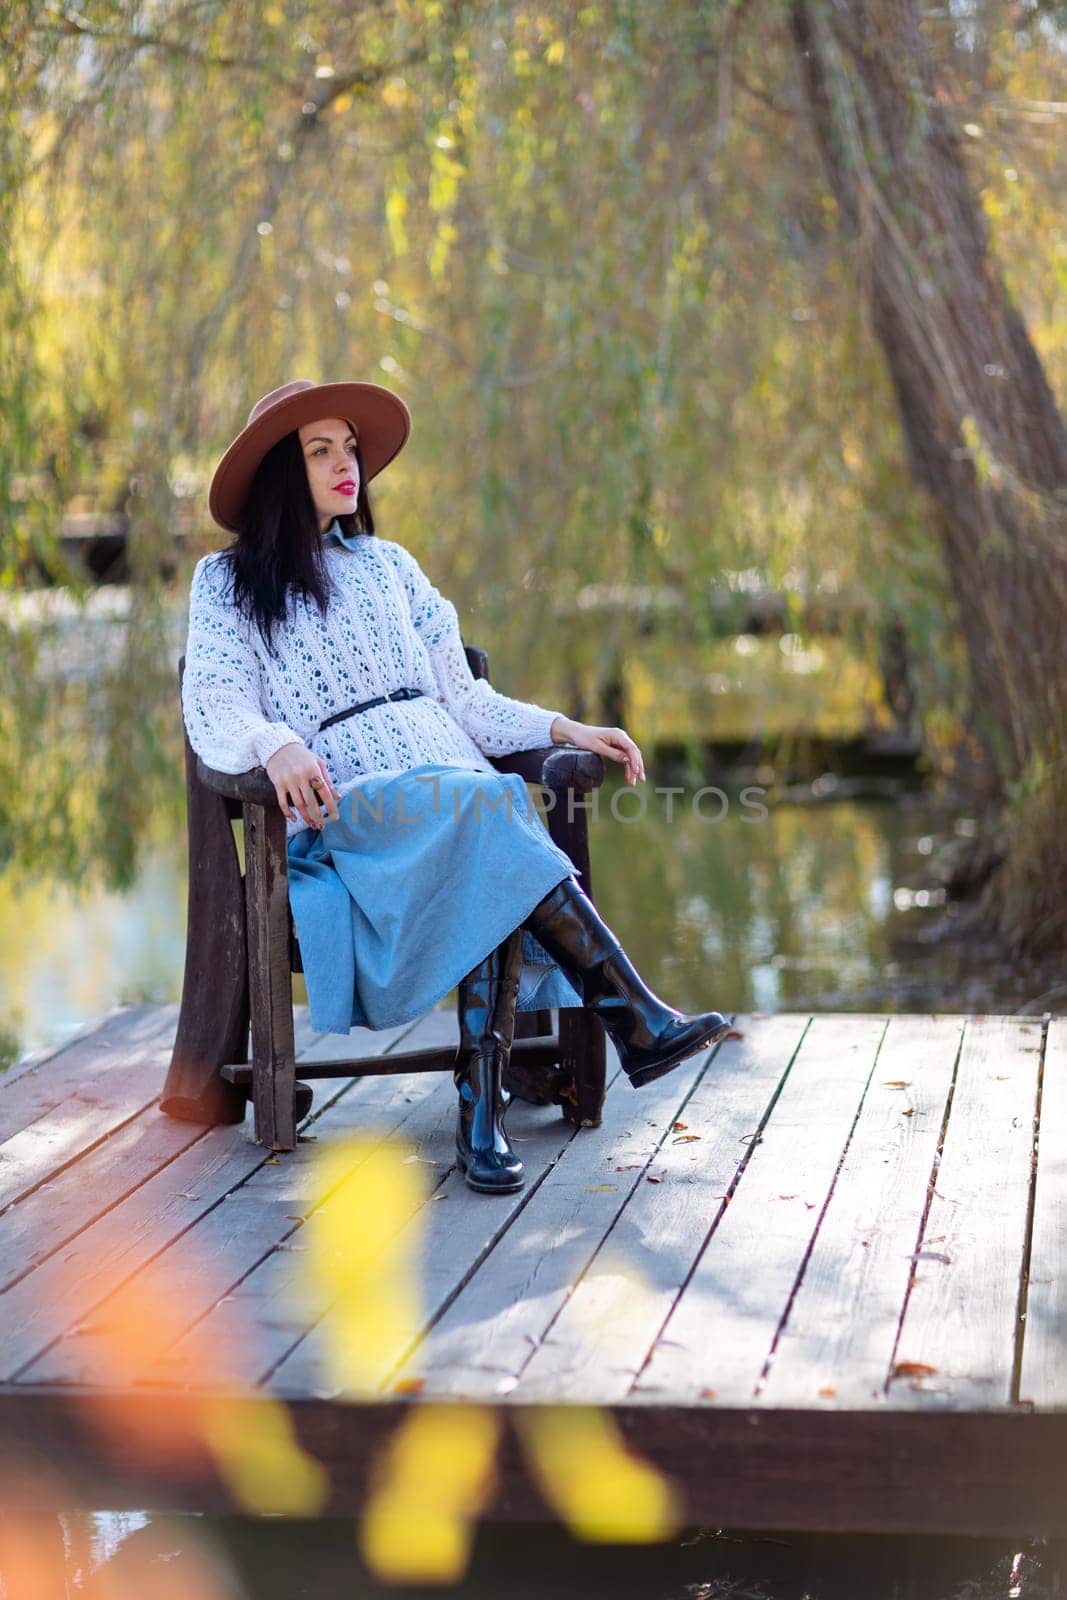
(602, 1491)
(435, 1477)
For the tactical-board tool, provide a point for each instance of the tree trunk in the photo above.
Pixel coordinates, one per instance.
(981, 426)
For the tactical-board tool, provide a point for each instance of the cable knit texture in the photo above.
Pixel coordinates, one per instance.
(386, 627)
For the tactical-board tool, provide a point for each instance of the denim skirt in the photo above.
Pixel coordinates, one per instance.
(423, 874)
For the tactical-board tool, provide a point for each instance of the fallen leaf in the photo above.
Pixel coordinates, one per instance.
(409, 1385)
(896, 1083)
(679, 1127)
(912, 1369)
(734, 1033)
(271, 1161)
(912, 1281)
(657, 1177)
(910, 1112)
(686, 1138)
(827, 1391)
(789, 1197)
(601, 1188)
(708, 1394)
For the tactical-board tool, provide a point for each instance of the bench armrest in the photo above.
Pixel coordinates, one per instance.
(253, 786)
(558, 767)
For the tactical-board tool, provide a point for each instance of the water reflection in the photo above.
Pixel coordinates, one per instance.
(234, 1557)
(821, 903)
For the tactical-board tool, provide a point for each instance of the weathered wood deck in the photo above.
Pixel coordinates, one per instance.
(743, 1263)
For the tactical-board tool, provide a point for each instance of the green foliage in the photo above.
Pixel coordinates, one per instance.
(591, 245)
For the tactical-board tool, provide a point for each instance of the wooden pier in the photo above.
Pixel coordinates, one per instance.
(816, 1274)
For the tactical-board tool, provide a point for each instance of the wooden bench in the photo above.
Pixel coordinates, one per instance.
(241, 951)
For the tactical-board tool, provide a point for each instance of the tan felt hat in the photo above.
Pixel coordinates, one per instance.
(381, 419)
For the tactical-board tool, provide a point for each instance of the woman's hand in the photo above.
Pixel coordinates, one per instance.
(615, 743)
(300, 779)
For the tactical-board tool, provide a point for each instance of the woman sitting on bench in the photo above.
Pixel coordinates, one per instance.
(323, 653)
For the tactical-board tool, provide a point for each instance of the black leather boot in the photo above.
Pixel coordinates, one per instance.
(487, 1020)
(650, 1036)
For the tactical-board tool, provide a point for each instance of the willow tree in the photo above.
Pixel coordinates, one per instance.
(589, 246)
(984, 436)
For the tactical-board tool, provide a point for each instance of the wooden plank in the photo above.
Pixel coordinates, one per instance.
(1043, 1373)
(48, 1052)
(980, 1474)
(252, 1304)
(484, 1335)
(720, 1332)
(59, 1209)
(201, 1264)
(70, 1200)
(487, 1335)
(82, 1066)
(270, 983)
(837, 1344)
(961, 1313)
(455, 1228)
(275, 1299)
(595, 1348)
(87, 1116)
(39, 1308)
(213, 1019)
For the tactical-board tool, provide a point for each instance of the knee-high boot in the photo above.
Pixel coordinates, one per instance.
(650, 1036)
(487, 997)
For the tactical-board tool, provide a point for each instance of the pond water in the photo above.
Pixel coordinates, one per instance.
(759, 900)
(124, 1556)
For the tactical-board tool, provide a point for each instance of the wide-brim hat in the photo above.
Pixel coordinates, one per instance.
(381, 419)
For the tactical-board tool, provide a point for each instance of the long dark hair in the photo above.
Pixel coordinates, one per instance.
(279, 547)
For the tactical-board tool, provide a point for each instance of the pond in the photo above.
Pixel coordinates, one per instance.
(124, 1556)
(735, 896)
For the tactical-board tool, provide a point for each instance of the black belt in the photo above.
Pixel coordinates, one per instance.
(365, 705)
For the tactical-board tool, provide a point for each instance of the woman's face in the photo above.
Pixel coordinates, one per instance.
(330, 458)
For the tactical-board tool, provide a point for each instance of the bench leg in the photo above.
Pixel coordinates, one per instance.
(270, 980)
(582, 1046)
(213, 1018)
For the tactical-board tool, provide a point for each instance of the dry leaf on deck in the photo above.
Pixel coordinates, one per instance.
(912, 1369)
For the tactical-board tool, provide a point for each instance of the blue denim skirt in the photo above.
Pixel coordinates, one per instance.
(423, 874)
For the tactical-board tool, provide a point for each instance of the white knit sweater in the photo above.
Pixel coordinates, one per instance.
(386, 627)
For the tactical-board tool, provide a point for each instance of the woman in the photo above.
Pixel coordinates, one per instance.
(323, 653)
